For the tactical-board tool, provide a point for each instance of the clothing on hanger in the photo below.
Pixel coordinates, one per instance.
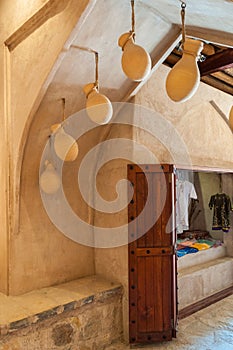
(221, 205)
(184, 192)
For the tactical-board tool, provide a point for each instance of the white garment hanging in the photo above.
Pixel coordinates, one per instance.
(184, 192)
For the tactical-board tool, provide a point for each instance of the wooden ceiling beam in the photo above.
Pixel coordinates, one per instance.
(219, 80)
(217, 62)
(217, 84)
(210, 35)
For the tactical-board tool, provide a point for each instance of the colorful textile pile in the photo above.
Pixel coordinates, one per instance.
(186, 246)
(185, 251)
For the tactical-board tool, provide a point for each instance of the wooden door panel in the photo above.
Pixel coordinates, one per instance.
(141, 295)
(152, 278)
(150, 308)
(153, 287)
(142, 194)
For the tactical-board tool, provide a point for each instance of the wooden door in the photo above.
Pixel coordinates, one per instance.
(152, 259)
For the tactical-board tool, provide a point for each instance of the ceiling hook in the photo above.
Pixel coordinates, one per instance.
(183, 4)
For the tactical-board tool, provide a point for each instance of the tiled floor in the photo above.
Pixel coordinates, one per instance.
(208, 329)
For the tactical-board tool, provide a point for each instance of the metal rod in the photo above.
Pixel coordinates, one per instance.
(83, 48)
(133, 16)
(96, 61)
(183, 6)
(63, 108)
(97, 70)
(220, 112)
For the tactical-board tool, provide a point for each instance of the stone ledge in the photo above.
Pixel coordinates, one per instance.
(201, 257)
(204, 280)
(18, 312)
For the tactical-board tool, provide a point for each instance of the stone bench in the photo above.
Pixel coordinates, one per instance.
(203, 280)
(82, 314)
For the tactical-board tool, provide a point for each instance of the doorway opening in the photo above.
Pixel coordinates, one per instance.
(165, 256)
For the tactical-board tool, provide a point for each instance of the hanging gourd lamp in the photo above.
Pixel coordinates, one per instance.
(184, 78)
(98, 106)
(135, 61)
(231, 119)
(49, 180)
(65, 146)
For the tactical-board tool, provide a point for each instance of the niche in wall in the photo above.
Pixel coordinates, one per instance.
(206, 184)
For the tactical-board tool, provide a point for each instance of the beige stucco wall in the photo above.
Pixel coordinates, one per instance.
(39, 254)
(207, 137)
(26, 72)
(210, 184)
(113, 262)
(3, 193)
(32, 61)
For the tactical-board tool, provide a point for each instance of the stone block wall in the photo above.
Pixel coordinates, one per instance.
(93, 325)
(203, 280)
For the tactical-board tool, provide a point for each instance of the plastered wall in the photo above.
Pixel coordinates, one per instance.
(112, 262)
(206, 135)
(24, 72)
(34, 253)
(41, 255)
(207, 138)
(210, 184)
(4, 185)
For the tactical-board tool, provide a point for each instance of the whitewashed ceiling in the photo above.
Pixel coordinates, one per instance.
(158, 25)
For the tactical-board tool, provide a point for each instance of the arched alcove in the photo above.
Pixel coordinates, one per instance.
(30, 58)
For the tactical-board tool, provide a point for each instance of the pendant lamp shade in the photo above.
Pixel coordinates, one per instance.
(98, 106)
(231, 119)
(49, 179)
(135, 61)
(65, 146)
(184, 78)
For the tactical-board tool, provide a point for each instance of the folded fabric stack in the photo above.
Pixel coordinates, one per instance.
(200, 246)
(189, 246)
(186, 250)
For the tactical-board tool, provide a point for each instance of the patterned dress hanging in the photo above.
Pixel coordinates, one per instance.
(221, 205)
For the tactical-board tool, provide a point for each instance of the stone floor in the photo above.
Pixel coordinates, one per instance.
(208, 329)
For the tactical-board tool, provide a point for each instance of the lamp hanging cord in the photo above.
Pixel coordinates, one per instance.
(97, 70)
(63, 108)
(183, 6)
(133, 20)
(96, 62)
